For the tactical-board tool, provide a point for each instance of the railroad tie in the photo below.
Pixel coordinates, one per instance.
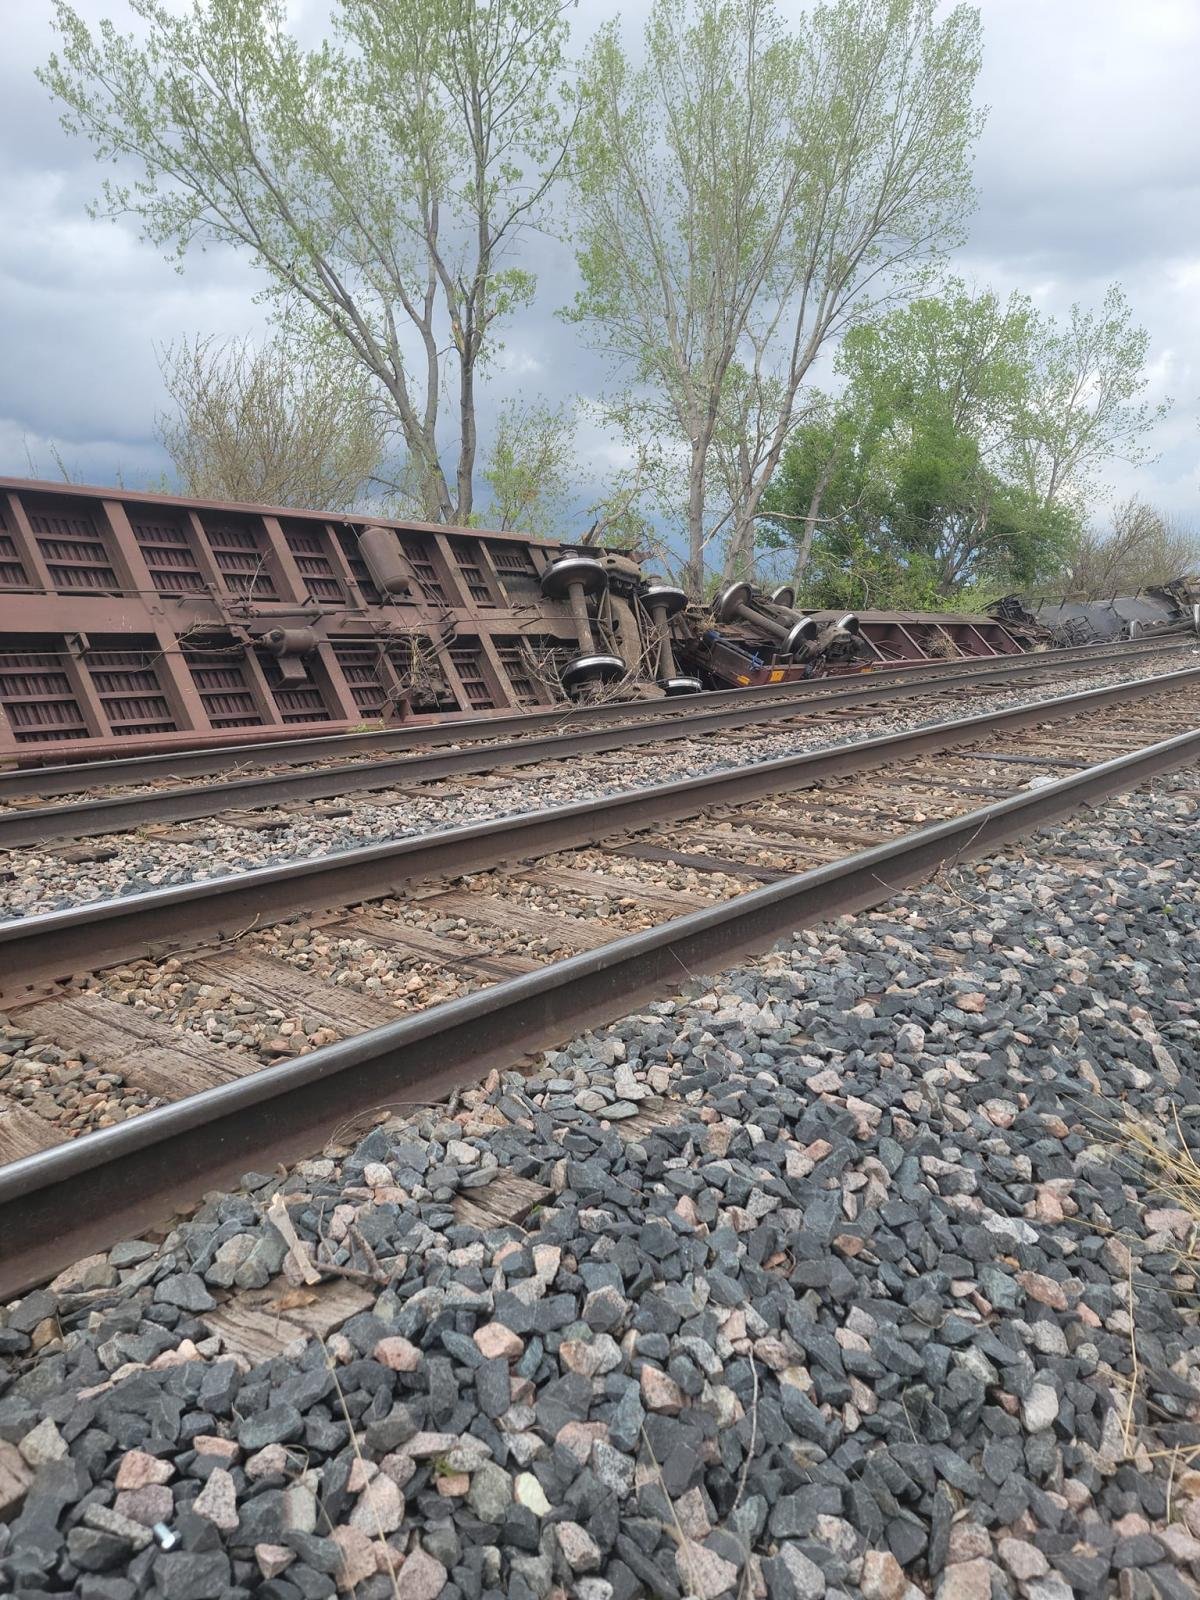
(149, 1054)
(271, 982)
(23, 1132)
(432, 948)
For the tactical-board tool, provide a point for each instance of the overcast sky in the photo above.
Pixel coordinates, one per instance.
(1087, 172)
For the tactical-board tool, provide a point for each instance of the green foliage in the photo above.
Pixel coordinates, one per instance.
(529, 468)
(957, 455)
(744, 190)
(380, 180)
(859, 574)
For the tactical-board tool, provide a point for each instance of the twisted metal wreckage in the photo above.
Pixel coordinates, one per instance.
(149, 622)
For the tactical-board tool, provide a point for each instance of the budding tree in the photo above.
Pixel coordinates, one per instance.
(381, 180)
(745, 193)
(529, 467)
(270, 424)
(1086, 400)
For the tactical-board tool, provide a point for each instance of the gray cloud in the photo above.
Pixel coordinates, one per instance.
(1086, 173)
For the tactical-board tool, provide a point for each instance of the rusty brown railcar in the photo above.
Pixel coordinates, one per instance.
(130, 619)
(133, 621)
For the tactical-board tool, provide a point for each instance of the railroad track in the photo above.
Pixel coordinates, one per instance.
(495, 939)
(162, 800)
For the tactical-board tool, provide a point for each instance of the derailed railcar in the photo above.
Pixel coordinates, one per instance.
(137, 621)
(130, 620)
(1159, 608)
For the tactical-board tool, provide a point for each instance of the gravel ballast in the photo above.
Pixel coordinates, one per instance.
(841, 1277)
(55, 877)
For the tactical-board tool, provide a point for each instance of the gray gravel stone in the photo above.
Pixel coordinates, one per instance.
(792, 1576)
(276, 1425)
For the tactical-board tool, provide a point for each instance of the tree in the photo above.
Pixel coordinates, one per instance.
(965, 357)
(529, 467)
(1084, 405)
(270, 424)
(743, 195)
(1141, 546)
(381, 181)
(947, 409)
(822, 479)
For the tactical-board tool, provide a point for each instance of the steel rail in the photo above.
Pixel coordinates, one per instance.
(65, 1202)
(57, 945)
(69, 778)
(83, 819)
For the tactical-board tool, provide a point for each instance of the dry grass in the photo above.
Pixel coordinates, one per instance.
(1166, 1169)
(1172, 1167)
(385, 1549)
(675, 1528)
(387, 1555)
(1157, 1167)
(1171, 1171)
(546, 664)
(1133, 1376)
(941, 646)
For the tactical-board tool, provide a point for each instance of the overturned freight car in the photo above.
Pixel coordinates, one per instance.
(1163, 608)
(142, 621)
